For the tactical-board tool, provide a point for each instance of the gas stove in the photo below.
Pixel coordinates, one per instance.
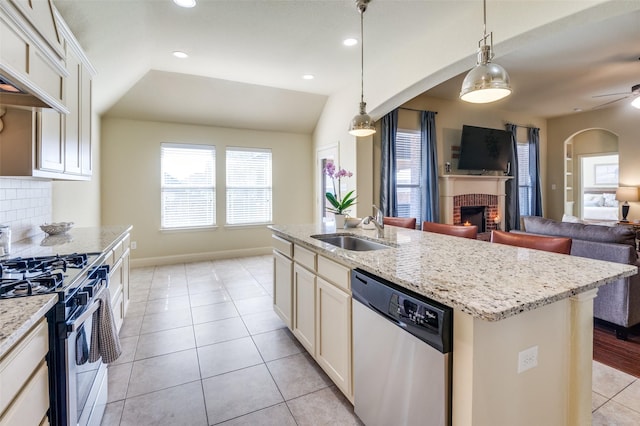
(28, 276)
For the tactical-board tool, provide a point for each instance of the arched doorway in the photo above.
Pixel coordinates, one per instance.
(591, 175)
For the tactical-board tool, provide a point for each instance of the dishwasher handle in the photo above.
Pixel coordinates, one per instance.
(387, 316)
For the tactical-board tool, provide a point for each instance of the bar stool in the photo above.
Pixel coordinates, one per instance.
(553, 244)
(402, 222)
(470, 232)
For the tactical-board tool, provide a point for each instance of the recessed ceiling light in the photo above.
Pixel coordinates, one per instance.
(308, 76)
(350, 42)
(179, 54)
(577, 109)
(185, 3)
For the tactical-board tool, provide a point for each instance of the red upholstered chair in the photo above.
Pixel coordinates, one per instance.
(455, 230)
(402, 222)
(538, 242)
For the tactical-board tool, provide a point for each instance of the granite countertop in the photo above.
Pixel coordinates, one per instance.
(78, 240)
(488, 281)
(19, 314)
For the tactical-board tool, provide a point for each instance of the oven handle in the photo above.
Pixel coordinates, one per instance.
(75, 325)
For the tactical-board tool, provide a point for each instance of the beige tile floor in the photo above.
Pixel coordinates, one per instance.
(202, 346)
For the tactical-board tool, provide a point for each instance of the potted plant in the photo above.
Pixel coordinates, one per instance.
(339, 205)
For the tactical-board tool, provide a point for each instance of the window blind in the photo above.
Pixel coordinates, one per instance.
(187, 185)
(408, 170)
(249, 192)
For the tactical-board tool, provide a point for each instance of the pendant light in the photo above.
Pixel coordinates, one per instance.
(361, 124)
(486, 82)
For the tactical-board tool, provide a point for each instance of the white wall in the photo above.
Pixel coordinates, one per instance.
(131, 187)
(622, 121)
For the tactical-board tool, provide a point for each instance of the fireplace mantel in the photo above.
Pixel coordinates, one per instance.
(452, 185)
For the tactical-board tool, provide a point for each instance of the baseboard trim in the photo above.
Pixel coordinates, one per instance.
(199, 257)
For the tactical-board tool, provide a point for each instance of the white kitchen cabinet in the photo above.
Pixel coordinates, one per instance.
(283, 287)
(333, 334)
(304, 293)
(24, 396)
(31, 53)
(118, 261)
(40, 53)
(321, 307)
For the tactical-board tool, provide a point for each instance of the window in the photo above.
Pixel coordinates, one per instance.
(187, 186)
(248, 186)
(525, 186)
(408, 174)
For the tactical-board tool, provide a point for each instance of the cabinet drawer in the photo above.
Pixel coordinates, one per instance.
(283, 246)
(117, 251)
(334, 272)
(32, 403)
(304, 257)
(21, 361)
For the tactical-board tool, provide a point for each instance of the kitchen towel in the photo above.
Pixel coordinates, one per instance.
(105, 341)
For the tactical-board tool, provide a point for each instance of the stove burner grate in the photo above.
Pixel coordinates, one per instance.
(40, 284)
(42, 264)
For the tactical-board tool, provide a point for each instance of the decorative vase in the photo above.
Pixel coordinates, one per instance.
(339, 218)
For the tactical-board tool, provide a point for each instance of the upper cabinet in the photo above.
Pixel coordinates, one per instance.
(37, 140)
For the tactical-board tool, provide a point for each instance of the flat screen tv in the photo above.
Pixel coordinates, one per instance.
(484, 149)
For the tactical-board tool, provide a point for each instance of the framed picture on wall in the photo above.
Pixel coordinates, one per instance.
(605, 174)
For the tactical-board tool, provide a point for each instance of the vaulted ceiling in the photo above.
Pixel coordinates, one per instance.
(247, 58)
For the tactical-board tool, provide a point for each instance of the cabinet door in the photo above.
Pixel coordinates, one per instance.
(50, 141)
(283, 287)
(85, 122)
(72, 120)
(333, 331)
(304, 327)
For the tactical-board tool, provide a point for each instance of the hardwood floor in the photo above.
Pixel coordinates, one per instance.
(619, 354)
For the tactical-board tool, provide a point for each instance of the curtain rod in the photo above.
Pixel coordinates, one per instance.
(531, 126)
(417, 110)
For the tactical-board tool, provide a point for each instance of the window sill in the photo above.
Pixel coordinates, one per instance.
(189, 229)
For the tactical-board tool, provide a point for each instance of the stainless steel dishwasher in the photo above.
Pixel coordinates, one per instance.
(402, 347)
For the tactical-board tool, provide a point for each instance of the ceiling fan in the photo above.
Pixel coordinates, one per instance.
(635, 92)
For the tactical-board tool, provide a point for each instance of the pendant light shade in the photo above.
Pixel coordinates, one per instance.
(636, 102)
(362, 124)
(486, 82)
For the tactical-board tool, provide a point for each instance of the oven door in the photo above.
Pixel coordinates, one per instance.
(87, 381)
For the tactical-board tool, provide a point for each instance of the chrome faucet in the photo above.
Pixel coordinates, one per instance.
(377, 221)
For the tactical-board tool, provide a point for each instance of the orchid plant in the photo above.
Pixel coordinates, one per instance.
(339, 204)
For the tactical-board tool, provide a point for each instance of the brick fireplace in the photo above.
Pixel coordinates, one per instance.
(477, 209)
(486, 192)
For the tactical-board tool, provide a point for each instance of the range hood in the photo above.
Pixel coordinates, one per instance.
(12, 94)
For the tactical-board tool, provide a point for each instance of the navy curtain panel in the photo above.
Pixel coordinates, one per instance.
(512, 204)
(430, 208)
(388, 199)
(534, 170)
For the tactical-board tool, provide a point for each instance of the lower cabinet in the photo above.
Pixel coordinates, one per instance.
(24, 380)
(304, 293)
(282, 288)
(333, 334)
(316, 291)
(119, 280)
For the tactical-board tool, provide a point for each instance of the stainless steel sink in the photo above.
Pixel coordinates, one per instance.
(350, 242)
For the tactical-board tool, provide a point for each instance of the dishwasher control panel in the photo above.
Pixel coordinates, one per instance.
(426, 319)
(403, 308)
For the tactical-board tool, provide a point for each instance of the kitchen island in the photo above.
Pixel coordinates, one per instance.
(505, 300)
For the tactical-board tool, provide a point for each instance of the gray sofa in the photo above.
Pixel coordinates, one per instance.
(619, 302)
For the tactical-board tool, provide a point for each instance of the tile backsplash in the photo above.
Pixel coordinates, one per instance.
(25, 204)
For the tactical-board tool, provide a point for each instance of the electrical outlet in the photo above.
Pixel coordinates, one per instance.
(527, 359)
(134, 245)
